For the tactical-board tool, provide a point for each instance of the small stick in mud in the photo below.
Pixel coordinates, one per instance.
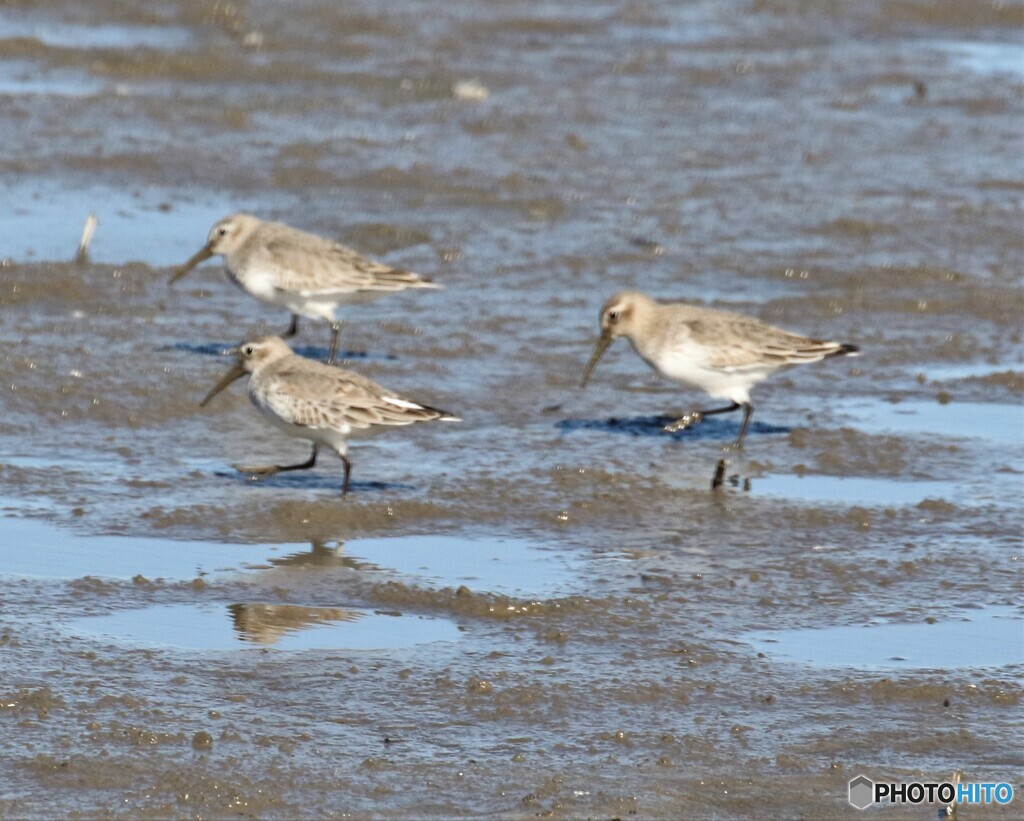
(83, 244)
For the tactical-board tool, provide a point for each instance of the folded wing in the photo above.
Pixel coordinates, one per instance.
(330, 398)
(323, 268)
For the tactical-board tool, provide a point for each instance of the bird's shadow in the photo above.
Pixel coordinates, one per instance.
(306, 480)
(203, 348)
(308, 351)
(707, 429)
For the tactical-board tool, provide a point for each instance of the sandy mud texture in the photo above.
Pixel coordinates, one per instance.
(543, 611)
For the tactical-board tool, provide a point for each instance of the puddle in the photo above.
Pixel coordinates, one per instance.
(32, 547)
(857, 489)
(483, 564)
(282, 626)
(992, 637)
(83, 35)
(989, 58)
(23, 78)
(37, 548)
(997, 422)
(157, 226)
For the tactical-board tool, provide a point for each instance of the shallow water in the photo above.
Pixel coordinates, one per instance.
(46, 221)
(36, 548)
(1002, 423)
(255, 624)
(996, 58)
(544, 610)
(990, 637)
(61, 34)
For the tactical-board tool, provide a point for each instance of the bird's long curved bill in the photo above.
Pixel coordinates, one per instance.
(237, 372)
(202, 254)
(599, 349)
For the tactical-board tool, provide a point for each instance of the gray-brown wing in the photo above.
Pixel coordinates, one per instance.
(739, 342)
(310, 265)
(326, 397)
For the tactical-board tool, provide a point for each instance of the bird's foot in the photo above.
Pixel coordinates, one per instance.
(257, 470)
(688, 421)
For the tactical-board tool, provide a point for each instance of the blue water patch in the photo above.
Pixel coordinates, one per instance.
(37, 548)
(157, 226)
(996, 422)
(16, 82)
(989, 58)
(238, 626)
(504, 565)
(84, 35)
(990, 637)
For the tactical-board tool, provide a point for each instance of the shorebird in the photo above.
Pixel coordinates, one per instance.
(305, 273)
(723, 353)
(315, 401)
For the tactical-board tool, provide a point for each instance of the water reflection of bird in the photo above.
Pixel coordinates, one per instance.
(318, 402)
(267, 623)
(723, 353)
(322, 554)
(309, 275)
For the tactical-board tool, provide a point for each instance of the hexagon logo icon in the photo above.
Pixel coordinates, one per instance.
(862, 792)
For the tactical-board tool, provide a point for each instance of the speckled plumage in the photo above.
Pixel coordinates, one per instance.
(319, 402)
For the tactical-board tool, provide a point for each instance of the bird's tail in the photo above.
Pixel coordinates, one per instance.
(439, 415)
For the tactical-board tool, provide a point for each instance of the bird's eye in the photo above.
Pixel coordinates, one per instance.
(222, 231)
(248, 350)
(613, 316)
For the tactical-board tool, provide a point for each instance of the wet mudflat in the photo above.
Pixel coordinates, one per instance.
(544, 610)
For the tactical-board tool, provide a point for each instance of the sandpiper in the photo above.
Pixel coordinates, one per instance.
(315, 401)
(305, 273)
(723, 353)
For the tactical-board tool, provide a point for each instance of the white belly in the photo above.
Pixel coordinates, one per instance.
(689, 366)
(262, 282)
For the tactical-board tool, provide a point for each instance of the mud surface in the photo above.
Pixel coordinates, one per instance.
(545, 610)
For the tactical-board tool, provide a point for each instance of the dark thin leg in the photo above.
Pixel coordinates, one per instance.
(270, 470)
(694, 417)
(748, 411)
(719, 477)
(335, 330)
(348, 472)
(292, 329)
